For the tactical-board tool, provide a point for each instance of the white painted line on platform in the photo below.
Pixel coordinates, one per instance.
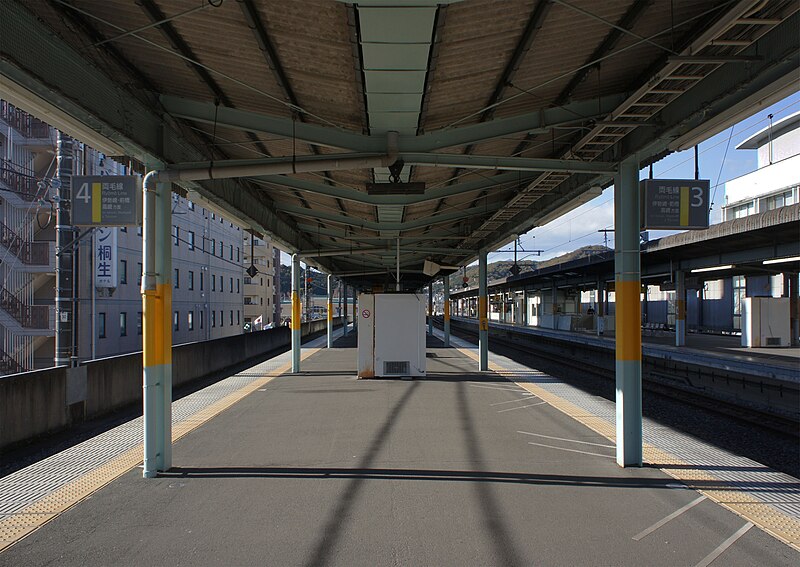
(572, 450)
(515, 389)
(568, 440)
(521, 407)
(529, 397)
(724, 545)
(669, 518)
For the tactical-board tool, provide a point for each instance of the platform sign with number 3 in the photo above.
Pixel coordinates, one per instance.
(674, 204)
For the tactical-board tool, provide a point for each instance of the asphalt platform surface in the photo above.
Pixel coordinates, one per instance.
(320, 468)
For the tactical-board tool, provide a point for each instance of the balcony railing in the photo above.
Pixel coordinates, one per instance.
(29, 316)
(30, 253)
(23, 122)
(18, 180)
(8, 365)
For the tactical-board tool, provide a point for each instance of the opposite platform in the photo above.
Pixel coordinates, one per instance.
(459, 468)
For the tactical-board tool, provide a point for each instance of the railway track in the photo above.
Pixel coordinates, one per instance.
(762, 436)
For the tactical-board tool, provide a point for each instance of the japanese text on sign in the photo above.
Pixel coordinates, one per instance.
(675, 203)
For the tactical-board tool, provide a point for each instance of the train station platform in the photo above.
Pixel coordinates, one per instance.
(505, 467)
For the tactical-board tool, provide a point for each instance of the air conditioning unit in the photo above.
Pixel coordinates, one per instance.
(391, 335)
(765, 322)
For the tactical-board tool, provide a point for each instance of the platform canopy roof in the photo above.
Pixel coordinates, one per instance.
(509, 112)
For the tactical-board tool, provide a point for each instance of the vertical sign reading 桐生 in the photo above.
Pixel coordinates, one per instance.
(106, 200)
(674, 204)
(105, 258)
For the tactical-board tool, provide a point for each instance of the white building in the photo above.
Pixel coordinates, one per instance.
(776, 181)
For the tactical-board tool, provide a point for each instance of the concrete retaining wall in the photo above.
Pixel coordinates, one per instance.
(36, 403)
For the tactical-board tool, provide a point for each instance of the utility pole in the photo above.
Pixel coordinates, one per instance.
(65, 252)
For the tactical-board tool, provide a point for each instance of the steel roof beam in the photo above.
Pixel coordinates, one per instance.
(354, 195)
(227, 117)
(349, 235)
(377, 226)
(508, 163)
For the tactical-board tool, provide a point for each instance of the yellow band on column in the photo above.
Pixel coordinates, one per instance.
(295, 311)
(156, 329)
(629, 320)
(446, 310)
(680, 309)
(330, 311)
(483, 319)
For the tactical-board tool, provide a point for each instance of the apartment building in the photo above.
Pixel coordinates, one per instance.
(208, 257)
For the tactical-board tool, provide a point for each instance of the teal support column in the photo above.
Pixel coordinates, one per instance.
(446, 282)
(483, 313)
(627, 288)
(344, 311)
(680, 308)
(330, 311)
(430, 309)
(296, 310)
(157, 326)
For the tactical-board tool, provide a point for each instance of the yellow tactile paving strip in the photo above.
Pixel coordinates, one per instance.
(772, 521)
(21, 523)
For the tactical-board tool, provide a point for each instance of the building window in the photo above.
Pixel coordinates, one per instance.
(176, 320)
(123, 271)
(247, 280)
(190, 205)
(238, 254)
(231, 288)
(190, 239)
(139, 279)
(176, 234)
(221, 248)
(238, 318)
(231, 317)
(191, 279)
(177, 278)
(123, 324)
(221, 318)
(202, 319)
(101, 325)
(139, 230)
(213, 247)
(201, 282)
(213, 282)
(237, 285)
(139, 323)
(190, 320)
(230, 253)
(213, 318)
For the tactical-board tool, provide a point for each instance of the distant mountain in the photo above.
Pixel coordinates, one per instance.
(500, 270)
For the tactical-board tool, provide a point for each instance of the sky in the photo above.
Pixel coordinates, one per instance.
(720, 162)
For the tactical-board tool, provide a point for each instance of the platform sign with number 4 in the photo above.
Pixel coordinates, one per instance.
(106, 200)
(674, 204)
